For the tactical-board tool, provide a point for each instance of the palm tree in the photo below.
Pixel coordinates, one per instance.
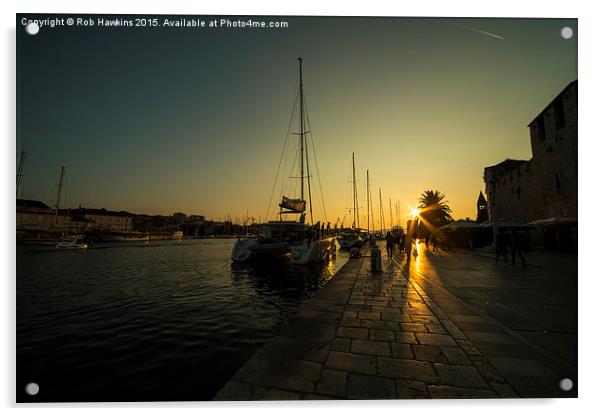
(434, 208)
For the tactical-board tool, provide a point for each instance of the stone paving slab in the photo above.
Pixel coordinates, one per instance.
(370, 387)
(391, 336)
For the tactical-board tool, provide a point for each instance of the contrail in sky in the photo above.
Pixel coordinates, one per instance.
(484, 33)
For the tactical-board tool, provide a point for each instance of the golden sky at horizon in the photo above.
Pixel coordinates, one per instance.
(167, 121)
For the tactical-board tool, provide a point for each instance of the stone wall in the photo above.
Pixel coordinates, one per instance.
(546, 185)
(555, 153)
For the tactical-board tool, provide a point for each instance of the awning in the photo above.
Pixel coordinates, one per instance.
(502, 223)
(554, 220)
(460, 224)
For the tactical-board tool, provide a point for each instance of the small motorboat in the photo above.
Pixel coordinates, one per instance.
(72, 242)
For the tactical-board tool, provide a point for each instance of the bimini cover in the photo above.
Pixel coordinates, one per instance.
(293, 205)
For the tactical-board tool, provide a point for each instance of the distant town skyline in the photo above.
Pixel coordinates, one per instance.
(158, 121)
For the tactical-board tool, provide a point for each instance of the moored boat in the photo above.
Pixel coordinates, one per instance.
(110, 236)
(302, 243)
(72, 242)
(350, 239)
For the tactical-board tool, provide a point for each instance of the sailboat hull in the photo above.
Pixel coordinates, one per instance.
(251, 250)
(314, 251)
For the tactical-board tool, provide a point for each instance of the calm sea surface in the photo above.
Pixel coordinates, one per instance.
(136, 322)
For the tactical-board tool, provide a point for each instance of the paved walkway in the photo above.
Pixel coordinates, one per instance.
(399, 335)
(539, 302)
(522, 320)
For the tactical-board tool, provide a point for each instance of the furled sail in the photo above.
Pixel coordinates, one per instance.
(293, 205)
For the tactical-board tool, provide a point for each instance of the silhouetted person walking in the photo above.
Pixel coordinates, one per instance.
(434, 240)
(415, 244)
(390, 242)
(501, 247)
(516, 247)
(402, 241)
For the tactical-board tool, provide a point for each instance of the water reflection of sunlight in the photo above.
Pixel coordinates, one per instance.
(329, 267)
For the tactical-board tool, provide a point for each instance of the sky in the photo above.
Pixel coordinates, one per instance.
(163, 120)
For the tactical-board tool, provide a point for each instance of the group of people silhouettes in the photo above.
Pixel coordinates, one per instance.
(395, 240)
(514, 240)
(398, 242)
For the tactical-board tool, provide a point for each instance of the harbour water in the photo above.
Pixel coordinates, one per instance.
(168, 320)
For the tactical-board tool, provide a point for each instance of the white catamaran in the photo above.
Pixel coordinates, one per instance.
(304, 243)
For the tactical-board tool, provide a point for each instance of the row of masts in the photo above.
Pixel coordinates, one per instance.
(59, 193)
(369, 207)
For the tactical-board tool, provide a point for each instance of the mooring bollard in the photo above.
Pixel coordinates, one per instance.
(375, 258)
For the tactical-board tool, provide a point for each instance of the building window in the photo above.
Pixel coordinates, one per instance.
(541, 129)
(559, 114)
(557, 182)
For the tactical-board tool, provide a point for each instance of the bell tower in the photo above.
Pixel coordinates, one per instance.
(482, 215)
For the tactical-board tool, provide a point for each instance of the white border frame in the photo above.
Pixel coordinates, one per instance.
(589, 71)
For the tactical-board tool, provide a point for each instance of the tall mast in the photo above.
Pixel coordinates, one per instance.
(20, 171)
(355, 214)
(58, 195)
(380, 198)
(390, 213)
(301, 123)
(371, 206)
(368, 200)
(311, 211)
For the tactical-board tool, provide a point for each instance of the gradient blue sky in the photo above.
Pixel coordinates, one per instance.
(161, 120)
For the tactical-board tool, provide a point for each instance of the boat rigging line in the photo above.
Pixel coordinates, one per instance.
(313, 146)
(288, 130)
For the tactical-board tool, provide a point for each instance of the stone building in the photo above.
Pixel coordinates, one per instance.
(103, 219)
(545, 186)
(554, 148)
(37, 216)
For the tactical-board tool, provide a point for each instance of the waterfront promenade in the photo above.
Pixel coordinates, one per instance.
(438, 329)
